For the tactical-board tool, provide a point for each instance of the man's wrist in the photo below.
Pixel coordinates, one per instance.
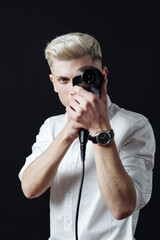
(102, 137)
(105, 127)
(68, 136)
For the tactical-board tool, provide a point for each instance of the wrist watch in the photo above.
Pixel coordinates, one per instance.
(103, 137)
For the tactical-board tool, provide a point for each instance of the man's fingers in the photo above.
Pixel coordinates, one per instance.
(81, 92)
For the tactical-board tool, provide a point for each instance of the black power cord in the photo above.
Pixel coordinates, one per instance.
(83, 138)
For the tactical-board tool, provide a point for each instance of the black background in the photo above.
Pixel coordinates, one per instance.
(129, 35)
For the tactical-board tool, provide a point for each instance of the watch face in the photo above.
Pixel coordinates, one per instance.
(103, 138)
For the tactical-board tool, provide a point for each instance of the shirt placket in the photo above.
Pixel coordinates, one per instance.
(68, 215)
(68, 208)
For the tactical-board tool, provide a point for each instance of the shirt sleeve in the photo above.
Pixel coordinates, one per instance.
(43, 140)
(137, 155)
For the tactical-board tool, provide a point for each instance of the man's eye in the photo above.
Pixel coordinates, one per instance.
(63, 80)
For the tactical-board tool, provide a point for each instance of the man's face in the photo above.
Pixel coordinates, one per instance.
(64, 71)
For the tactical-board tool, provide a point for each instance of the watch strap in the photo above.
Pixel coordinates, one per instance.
(94, 138)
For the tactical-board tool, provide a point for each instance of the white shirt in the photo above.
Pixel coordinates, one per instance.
(136, 146)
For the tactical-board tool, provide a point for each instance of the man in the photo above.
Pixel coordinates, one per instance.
(118, 178)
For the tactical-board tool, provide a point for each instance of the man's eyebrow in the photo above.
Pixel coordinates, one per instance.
(61, 76)
(78, 72)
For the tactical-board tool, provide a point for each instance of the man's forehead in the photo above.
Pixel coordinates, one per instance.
(68, 71)
(73, 67)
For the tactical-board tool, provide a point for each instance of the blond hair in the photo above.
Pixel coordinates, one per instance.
(72, 45)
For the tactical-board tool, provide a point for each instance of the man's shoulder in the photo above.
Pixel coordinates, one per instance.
(130, 125)
(126, 122)
(132, 116)
(127, 116)
(57, 118)
(54, 123)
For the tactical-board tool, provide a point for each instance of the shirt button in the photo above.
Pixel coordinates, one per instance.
(68, 193)
(74, 163)
(68, 221)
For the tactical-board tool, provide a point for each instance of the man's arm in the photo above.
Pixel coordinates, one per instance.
(39, 175)
(116, 186)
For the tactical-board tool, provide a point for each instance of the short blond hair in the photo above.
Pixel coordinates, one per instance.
(72, 45)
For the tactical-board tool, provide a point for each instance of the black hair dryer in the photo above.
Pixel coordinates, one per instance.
(90, 79)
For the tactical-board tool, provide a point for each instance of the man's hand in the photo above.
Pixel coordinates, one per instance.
(88, 111)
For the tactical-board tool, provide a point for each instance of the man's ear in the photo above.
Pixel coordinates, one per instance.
(105, 72)
(52, 80)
